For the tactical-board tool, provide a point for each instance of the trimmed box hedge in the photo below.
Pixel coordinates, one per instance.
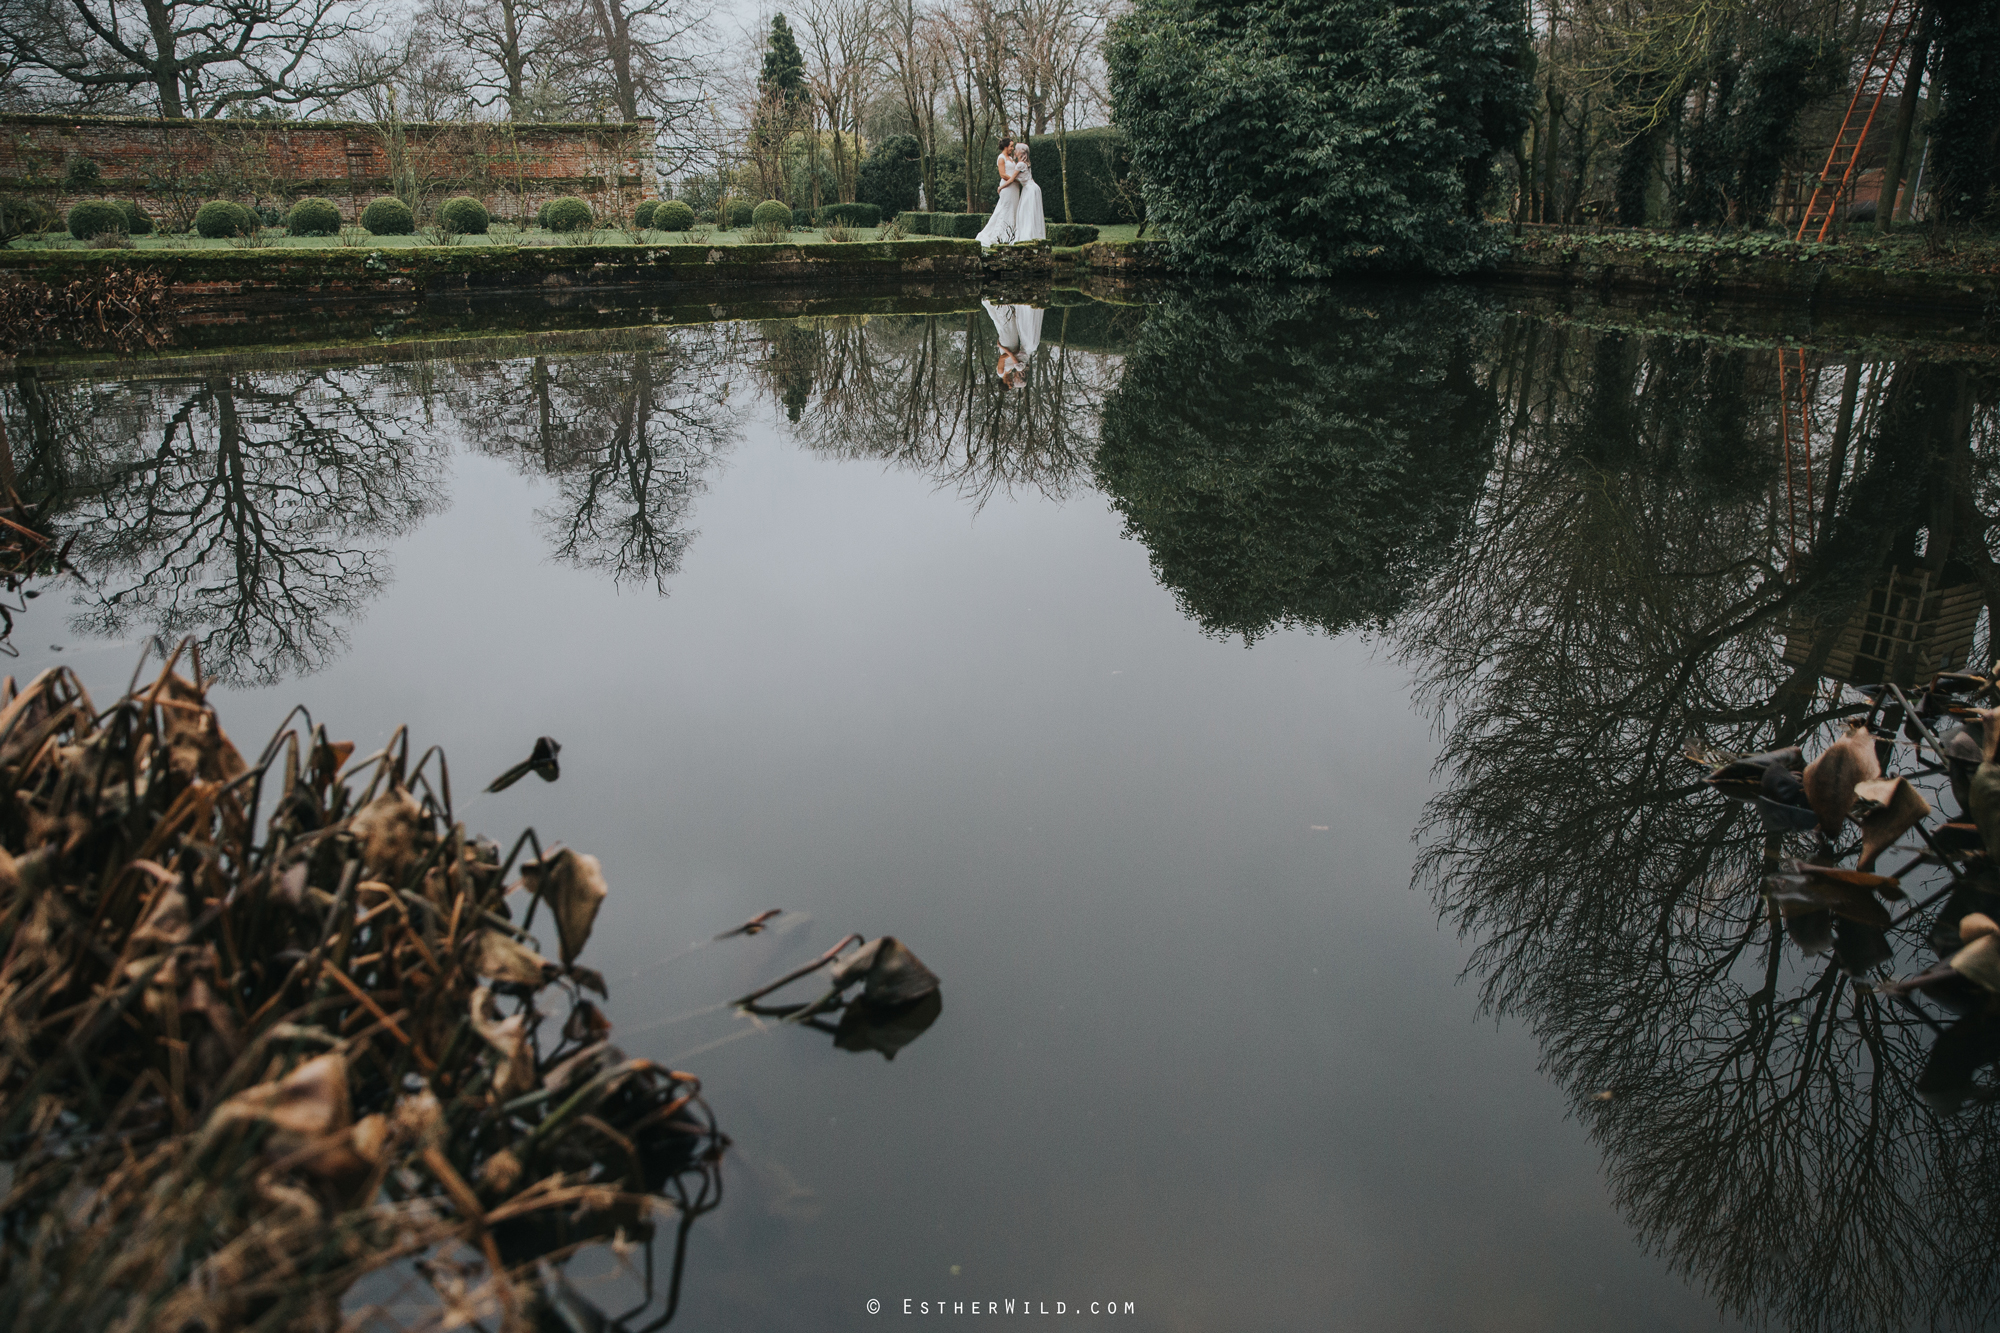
(1071, 233)
(771, 215)
(388, 216)
(94, 217)
(850, 215)
(465, 215)
(673, 215)
(314, 217)
(219, 218)
(138, 222)
(741, 214)
(568, 213)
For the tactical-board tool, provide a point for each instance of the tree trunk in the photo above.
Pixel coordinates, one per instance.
(613, 22)
(1550, 155)
(1906, 120)
(166, 61)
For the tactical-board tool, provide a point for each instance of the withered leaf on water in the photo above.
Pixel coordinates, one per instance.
(888, 1028)
(1743, 778)
(1983, 788)
(514, 1073)
(1830, 779)
(893, 974)
(542, 763)
(303, 1106)
(1798, 889)
(1962, 752)
(572, 884)
(388, 829)
(754, 926)
(1781, 800)
(1886, 809)
(500, 956)
(1980, 961)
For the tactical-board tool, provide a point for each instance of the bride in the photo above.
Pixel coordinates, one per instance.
(1028, 225)
(999, 228)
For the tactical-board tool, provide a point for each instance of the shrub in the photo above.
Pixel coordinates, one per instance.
(138, 222)
(388, 216)
(741, 214)
(917, 224)
(313, 217)
(1071, 233)
(542, 215)
(93, 217)
(219, 218)
(891, 174)
(1380, 165)
(465, 215)
(967, 224)
(642, 216)
(672, 215)
(764, 235)
(851, 215)
(835, 232)
(79, 172)
(771, 215)
(19, 217)
(568, 214)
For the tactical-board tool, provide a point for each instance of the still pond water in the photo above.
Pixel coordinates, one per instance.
(1267, 715)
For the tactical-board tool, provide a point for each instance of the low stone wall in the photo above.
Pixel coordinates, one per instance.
(217, 283)
(175, 165)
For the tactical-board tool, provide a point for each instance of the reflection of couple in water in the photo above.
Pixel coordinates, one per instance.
(1019, 329)
(1017, 213)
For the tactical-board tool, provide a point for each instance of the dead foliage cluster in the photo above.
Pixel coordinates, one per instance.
(270, 1026)
(1944, 736)
(113, 309)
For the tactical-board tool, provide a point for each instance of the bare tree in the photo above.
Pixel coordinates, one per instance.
(195, 58)
(841, 47)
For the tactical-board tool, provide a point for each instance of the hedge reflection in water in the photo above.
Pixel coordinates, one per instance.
(1583, 543)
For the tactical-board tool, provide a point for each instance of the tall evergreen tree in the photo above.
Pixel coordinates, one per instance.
(783, 77)
(1309, 137)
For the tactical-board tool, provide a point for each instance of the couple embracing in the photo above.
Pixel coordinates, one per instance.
(1017, 214)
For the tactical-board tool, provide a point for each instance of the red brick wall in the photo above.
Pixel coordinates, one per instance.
(173, 164)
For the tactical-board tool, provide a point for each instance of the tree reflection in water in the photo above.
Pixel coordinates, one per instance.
(1627, 587)
(249, 510)
(1299, 456)
(628, 439)
(919, 392)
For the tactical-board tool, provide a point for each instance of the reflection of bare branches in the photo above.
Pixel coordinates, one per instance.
(254, 519)
(1623, 590)
(628, 439)
(919, 391)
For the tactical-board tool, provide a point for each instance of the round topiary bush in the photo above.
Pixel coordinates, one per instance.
(314, 217)
(568, 214)
(466, 216)
(771, 215)
(93, 217)
(740, 213)
(138, 222)
(219, 218)
(542, 216)
(642, 216)
(388, 216)
(672, 215)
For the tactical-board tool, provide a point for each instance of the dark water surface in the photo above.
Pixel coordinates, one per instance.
(1268, 722)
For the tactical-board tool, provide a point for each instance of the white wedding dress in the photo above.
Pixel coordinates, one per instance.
(1028, 222)
(1018, 328)
(999, 228)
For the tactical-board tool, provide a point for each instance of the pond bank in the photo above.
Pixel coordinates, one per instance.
(221, 283)
(1958, 277)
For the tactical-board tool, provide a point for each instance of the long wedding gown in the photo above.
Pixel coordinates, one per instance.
(1028, 223)
(1017, 327)
(999, 228)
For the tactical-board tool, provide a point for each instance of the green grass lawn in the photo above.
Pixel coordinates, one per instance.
(355, 238)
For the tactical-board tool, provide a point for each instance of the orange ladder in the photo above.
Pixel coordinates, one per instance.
(1838, 173)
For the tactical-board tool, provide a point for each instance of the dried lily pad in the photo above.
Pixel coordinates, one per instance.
(1831, 778)
(1799, 889)
(388, 829)
(572, 884)
(1743, 778)
(1886, 809)
(893, 974)
(500, 956)
(1979, 961)
(868, 1026)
